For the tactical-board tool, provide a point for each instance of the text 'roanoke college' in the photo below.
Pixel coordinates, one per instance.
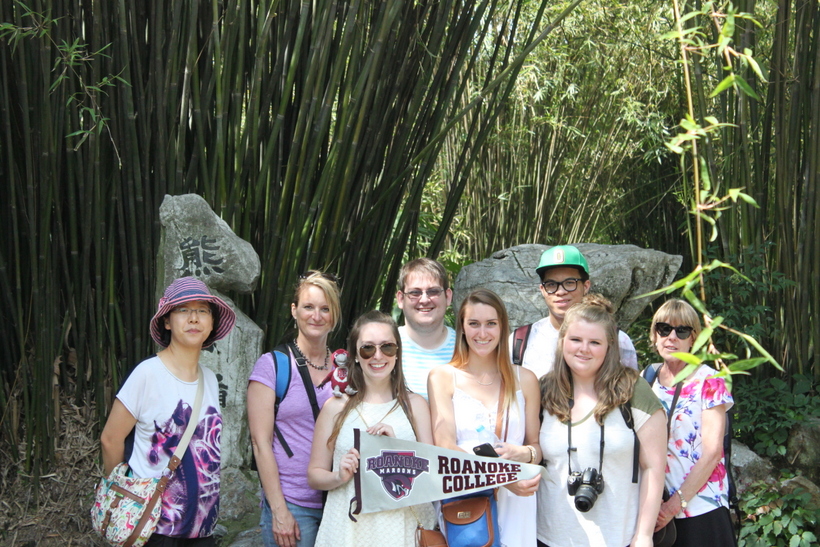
(459, 475)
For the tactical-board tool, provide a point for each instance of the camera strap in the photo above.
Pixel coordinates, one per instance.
(571, 448)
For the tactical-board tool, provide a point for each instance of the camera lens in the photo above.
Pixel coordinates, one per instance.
(585, 498)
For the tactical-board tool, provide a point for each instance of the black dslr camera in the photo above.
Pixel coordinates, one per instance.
(585, 487)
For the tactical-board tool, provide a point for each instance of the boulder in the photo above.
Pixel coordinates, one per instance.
(803, 448)
(238, 494)
(619, 272)
(196, 242)
(748, 467)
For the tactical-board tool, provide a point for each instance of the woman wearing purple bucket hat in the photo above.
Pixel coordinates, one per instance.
(155, 405)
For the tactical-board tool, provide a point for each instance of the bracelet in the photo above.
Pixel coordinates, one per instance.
(532, 453)
(683, 503)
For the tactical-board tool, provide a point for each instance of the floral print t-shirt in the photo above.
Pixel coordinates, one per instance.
(162, 405)
(699, 393)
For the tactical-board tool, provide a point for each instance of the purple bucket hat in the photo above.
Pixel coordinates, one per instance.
(189, 289)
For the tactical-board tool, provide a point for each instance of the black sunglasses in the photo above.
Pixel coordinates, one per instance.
(665, 329)
(389, 349)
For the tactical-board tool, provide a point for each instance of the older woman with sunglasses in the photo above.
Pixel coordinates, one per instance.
(696, 408)
(382, 405)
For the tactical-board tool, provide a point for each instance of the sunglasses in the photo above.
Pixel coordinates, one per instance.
(665, 329)
(328, 276)
(389, 349)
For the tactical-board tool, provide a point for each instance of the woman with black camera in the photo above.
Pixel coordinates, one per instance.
(606, 475)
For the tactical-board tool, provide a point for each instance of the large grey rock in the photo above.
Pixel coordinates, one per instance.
(232, 360)
(238, 494)
(748, 467)
(619, 272)
(803, 448)
(195, 242)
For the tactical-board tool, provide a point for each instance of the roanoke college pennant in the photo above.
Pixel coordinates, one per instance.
(395, 473)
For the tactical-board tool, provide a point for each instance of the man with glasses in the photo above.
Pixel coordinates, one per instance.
(564, 275)
(424, 295)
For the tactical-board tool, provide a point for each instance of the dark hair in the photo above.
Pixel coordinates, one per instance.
(424, 266)
(461, 353)
(356, 376)
(614, 383)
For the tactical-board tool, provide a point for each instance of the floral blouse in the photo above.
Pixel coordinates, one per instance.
(699, 393)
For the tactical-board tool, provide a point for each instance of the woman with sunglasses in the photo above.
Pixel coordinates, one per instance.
(382, 405)
(282, 430)
(480, 397)
(696, 408)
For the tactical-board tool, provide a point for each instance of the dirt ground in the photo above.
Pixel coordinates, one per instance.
(60, 514)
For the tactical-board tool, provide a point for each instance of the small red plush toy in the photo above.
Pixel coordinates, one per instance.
(338, 377)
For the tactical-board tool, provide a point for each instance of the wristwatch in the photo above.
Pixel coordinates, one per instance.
(683, 503)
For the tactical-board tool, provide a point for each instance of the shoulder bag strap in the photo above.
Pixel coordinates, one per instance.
(498, 427)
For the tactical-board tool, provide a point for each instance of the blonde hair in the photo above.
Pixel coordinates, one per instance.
(678, 313)
(328, 285)
(461, 354)
(356, 376)
(614, 383)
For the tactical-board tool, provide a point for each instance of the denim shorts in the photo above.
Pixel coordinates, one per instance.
(307, 518)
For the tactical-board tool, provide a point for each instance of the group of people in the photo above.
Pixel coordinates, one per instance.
(609, 440)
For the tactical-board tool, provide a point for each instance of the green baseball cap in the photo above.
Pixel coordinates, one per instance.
(562, 255)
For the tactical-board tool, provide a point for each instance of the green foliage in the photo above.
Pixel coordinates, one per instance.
(768, 408)
(777, 519)
(744, 300)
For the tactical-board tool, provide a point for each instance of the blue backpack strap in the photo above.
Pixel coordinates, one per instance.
(650, 373)
(281, 361)
(282, 364)
(521, 336)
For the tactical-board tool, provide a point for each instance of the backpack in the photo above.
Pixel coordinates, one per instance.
(650, 374)
(521, 336)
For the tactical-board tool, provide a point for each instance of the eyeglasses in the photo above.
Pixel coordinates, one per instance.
(665, 329)
(389, 349)
(415, 294)
(569, 284)
(200, 312)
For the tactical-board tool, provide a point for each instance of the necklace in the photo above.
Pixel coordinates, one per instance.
(479, 382)
(308, 361)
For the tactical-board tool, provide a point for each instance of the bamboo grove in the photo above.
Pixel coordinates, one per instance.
(580, 153)
(310, 127)
(351, 135)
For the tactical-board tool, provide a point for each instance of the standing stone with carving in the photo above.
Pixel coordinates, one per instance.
(619, 272)
(196, 242)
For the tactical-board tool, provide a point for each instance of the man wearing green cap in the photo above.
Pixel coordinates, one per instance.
(564, 274)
